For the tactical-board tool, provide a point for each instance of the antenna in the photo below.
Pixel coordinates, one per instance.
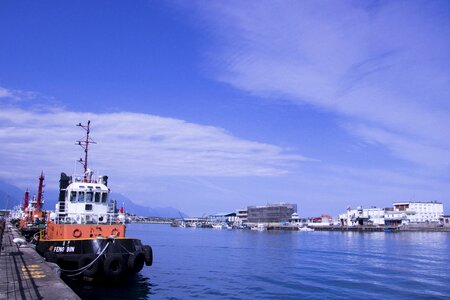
(85, 145)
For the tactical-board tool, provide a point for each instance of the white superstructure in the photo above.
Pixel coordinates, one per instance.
(87, 202)
(84, 200)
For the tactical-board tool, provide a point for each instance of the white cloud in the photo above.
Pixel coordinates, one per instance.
(132, 146)
(382, 65)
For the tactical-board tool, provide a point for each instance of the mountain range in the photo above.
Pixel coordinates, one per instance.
(11, 196)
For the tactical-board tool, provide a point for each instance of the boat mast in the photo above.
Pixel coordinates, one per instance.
(25, 200)
(41, 185)
(85, 145)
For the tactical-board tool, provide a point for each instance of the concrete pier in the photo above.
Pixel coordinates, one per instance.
(355, 228)
(363, 228)
(24, 274)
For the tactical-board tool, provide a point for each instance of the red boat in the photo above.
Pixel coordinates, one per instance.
(32, 218)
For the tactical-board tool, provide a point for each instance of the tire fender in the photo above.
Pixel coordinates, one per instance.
(114, 265)
(148, 253)
(136, 262)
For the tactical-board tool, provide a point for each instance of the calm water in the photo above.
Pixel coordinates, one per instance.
(233, 264)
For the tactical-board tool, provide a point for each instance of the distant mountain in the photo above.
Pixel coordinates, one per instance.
(11, 196)
(50, 199)
(140, 210)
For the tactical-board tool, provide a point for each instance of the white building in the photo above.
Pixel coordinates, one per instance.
(421, 212)
(296, 220)
(401, 213)
(222, 218)
(376, 215)
(394, 218)
(363, 216)
(241, 216)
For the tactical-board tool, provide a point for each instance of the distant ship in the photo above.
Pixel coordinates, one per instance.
(85, 236)
(31, 215)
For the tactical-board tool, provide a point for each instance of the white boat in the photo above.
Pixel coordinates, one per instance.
(306, 229)
(218, 226)
(259, 227)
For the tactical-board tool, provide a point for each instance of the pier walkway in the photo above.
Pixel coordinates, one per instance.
(24, 274)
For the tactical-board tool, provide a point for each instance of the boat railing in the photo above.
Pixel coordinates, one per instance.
(89, 218)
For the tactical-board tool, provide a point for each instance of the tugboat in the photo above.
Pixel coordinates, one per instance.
(85, 236)
(33, 217)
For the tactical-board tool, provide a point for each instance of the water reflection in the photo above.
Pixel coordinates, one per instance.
(205, 263)
(133, 287)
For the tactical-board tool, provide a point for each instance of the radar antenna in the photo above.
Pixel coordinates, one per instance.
(85, 145)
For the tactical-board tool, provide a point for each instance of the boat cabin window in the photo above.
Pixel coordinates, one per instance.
(88, 207)
(104, 197)
(81, 197)
(73, 196)
(89, 196)
(97, 197)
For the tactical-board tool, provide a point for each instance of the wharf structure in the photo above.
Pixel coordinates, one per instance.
(24, 274)
(446, 221)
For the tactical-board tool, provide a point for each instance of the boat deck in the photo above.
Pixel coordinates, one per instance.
(24, 274)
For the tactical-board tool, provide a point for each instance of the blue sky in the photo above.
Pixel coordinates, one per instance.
(209, 106)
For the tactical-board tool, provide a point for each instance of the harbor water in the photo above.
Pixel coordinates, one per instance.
(244, 264)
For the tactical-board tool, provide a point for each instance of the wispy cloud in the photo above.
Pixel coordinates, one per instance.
(131, 145)
(383, 65)
(4, 93)
(18, 95)
(404, 146)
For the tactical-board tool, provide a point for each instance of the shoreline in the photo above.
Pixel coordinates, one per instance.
(407, 228)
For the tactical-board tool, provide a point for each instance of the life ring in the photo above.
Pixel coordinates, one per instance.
(115, 232)
(76, 233)
(114, 265)
(86, 260)
(67, 219)
(148, 253)
(136, 262)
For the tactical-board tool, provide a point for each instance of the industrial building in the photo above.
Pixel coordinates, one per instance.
(271, 213)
